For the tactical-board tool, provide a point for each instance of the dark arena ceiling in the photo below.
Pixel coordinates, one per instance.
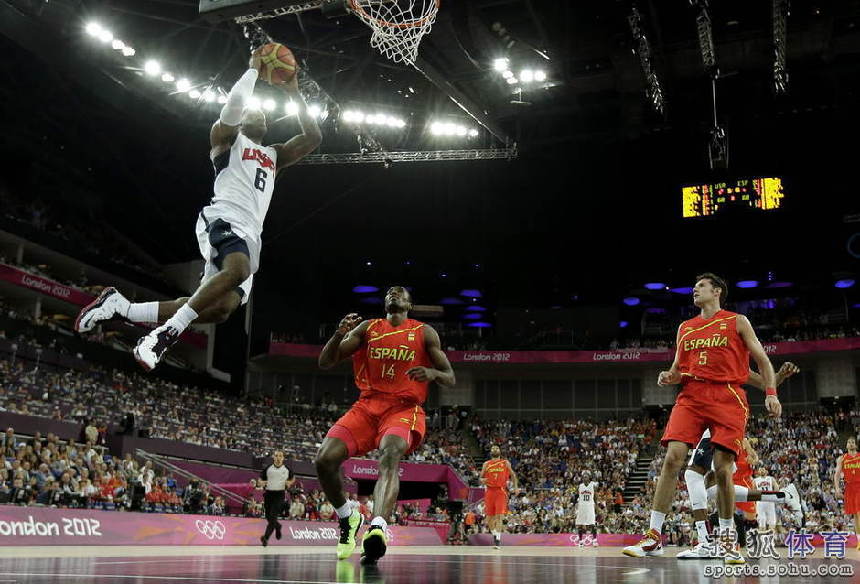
(589, 207)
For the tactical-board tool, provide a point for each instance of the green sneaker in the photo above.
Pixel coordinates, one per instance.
(375, 544)
(349, 526)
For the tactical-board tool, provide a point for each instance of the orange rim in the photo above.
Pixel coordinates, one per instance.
(356, 7)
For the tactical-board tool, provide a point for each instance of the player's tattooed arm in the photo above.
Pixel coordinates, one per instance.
(442, 372)
(309, 140)
(344, 342)
(785, 371)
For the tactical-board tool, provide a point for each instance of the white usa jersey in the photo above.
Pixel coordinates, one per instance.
(765, 483)
(244, 182)
(586, 493)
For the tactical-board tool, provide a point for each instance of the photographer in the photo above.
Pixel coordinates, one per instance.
(192, 498)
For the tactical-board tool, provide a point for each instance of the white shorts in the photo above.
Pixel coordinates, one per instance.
(217, 237)
(585, 515)
(766, 514)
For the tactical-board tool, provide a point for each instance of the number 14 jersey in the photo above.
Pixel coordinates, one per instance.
(386, 354)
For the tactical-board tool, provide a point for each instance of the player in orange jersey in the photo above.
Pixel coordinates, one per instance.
(848, 466)
(495, 475)
(711, 362)
(394, 360)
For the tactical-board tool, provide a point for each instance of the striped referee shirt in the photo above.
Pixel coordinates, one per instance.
(276, 477)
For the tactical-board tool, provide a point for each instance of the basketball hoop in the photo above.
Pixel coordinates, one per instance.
(398, 25)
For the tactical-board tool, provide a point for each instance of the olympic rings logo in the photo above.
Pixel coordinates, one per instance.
(211, 529)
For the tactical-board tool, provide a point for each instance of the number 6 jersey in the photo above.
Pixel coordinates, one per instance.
(244, 182)
(386, 354)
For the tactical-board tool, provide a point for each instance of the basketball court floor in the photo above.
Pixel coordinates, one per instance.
(419, 565)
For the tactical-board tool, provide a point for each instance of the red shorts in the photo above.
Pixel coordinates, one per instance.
(369, 419)
(745, 480)
(852, 498)
(495, 502)
(721, 407)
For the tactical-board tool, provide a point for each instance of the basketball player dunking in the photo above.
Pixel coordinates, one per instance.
(228, 229)
(711, 362)
(495, 475)
(394, 359)
(848, 466)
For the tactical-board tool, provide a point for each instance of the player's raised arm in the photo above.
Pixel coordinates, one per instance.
(344, 342)
(303, 144)
(785, 371)
(442, 372)
(226, 128)
(746, 332)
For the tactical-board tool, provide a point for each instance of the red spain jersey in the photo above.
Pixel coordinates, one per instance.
(712, 350)
(497, 474)
(851, 467)
(386, 354)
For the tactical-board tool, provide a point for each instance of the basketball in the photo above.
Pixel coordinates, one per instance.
(277, 63)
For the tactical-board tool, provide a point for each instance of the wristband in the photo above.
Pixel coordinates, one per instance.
(770, 391)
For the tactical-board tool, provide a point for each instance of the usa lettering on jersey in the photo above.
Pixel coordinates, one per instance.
(259, 156)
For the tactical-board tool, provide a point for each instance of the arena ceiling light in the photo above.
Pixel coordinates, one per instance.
(631, 301)
(500, 64)
(183, 85)
(846, 283)
(451, 129)
(152, 67)
(365, 289)
(747, 284)
(194, 94)
(168, 77)
(527, 76)
(128, 51)
(655, 286)
(269, 105)
(374, 119)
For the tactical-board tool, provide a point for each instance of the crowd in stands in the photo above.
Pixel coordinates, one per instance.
(45, 470)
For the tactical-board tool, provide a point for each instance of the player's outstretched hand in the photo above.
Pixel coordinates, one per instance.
(774, 408)
(348, 322)
(669, 378)
(421, 374)
(787, 370)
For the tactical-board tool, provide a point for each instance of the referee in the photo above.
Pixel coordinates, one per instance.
(275, 479)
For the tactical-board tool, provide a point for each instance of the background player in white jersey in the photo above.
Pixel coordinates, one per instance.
(765, 510)
(228, 229)
(585, 516)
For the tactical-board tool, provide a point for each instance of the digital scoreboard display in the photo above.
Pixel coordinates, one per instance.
(763, 194)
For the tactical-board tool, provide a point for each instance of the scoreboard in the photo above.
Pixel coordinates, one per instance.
(763, 194)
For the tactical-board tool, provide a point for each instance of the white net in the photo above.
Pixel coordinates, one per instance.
(398, 25)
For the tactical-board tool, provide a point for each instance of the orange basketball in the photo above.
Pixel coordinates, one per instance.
(277, 63)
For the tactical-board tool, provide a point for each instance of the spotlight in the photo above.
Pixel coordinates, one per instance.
(507, 74)
(128, 51)
(500, 64)
(511, 80)
(105, 36)
(222, 99)
(540, 76)
(473, 133)
(94, 29)
(183, 85)
(314, 110)
(527, 76)
(436, 129)
(152, 67)
(291, 108)
(461, 131)
(168, 78)
(193, 94)
(269, 105)
(117, 45)
(401, 124)
(254, 102)
(208, 96)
